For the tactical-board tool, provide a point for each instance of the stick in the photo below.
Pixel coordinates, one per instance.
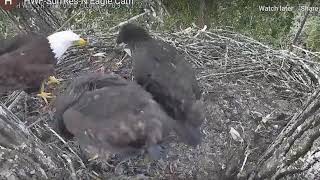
(73, 172)
(129, 20)
(64, 142)
(309, 52)
(65, 23)
(301, 26)
(17, 99)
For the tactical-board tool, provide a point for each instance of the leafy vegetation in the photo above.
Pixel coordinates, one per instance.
(313, 32)
(243, 16)
(273, 27)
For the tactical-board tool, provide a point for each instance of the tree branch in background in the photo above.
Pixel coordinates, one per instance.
(301, 26)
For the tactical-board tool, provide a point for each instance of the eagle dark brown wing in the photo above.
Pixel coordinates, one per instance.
(25, 61)
(163, 72)
(11, 44)
(112, 115)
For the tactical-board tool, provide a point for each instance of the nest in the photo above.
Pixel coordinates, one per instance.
(224, 54)
(245, 83)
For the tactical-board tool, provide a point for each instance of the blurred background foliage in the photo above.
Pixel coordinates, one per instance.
(313, 31)
(276, 28)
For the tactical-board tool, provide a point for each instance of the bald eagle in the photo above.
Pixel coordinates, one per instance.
(27, 60)
(109, 114)
(162, 71)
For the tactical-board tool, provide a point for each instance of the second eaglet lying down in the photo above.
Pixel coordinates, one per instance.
(27, 60)
(109, 114)
(162, 71)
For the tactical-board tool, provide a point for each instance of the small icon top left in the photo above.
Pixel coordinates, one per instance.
(9, 4)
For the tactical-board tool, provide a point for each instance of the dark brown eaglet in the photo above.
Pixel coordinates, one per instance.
(168, 76)
(109, 114)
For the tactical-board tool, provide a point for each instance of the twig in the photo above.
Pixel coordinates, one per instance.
(226, 57)
(130, 20)
(35, 122)
(73, 172)
(309, 52)
(223, 74)
(164, 7)
(17, 99)
(244, 163)
(67, 21)
(64, 142)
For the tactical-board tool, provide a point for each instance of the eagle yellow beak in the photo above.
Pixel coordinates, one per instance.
(81, 42)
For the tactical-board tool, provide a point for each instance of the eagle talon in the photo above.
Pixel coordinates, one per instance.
(53, 80)
(45, 96)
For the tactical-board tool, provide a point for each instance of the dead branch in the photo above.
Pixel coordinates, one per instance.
(282, 158)
(23, 156)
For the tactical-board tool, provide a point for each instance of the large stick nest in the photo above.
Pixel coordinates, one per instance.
(250, 91)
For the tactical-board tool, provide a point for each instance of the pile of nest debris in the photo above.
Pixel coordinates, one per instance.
(254, 97)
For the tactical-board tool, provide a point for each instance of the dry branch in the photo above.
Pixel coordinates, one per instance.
(281, 159)
(23, 156)
(295, 39)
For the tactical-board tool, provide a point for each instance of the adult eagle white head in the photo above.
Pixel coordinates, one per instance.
(28, 59)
